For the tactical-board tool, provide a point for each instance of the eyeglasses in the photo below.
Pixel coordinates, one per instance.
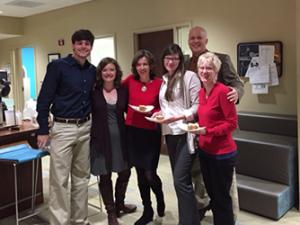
(175, 59)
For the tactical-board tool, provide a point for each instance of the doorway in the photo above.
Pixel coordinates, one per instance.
(155, 42)
(156, 39)
(28, 73)
(103, 47)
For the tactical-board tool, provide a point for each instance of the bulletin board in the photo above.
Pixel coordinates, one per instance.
(247, 50)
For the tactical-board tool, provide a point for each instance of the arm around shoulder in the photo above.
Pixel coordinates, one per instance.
(191, 98)
(229, 76)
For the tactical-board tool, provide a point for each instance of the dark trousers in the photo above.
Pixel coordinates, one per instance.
(217, 176)
(181, 163)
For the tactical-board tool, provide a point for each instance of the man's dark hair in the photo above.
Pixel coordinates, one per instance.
(82, 34)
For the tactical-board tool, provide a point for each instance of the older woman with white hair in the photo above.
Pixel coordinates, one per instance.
(217, 120)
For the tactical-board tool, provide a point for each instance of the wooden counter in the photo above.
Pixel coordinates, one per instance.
(7, 200)
(25, 133)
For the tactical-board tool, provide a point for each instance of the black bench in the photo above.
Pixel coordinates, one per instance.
(267, 163)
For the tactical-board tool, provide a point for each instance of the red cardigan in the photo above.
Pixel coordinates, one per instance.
(219, 117)
(138, 97)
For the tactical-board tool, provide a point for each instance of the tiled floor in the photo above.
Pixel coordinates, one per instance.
(99, 218)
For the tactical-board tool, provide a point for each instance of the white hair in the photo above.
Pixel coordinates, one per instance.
(210, 58)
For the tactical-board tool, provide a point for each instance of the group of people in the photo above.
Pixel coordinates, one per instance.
(99, 128)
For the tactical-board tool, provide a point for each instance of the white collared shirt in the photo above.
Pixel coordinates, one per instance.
(171, 108)
(177, 106)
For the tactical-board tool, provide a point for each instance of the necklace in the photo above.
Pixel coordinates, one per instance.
(144, 88)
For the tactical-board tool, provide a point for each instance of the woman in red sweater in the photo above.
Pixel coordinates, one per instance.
(217, 121)
(144, 137)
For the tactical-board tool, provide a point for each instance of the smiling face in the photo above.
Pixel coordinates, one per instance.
(207, 72)
(81, 49)
(197, 40)
(171, 63)
(108, 73)
(143, 68)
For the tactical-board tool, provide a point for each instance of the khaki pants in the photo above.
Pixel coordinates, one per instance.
(201, 194)
(69, 150)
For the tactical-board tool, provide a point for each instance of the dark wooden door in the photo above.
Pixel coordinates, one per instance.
(155, 42)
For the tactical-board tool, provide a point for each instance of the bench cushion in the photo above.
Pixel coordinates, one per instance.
(268, 123)
(263, 197)
(266, 156)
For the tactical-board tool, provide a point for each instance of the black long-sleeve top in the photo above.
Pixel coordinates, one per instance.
(66, 91)
(100, 136)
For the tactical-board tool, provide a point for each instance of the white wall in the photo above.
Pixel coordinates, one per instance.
(10, 26)
(228, 22)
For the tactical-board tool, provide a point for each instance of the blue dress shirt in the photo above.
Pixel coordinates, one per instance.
(66, 91)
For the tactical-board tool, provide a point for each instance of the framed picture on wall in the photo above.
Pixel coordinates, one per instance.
(247, 50)
(53, 56)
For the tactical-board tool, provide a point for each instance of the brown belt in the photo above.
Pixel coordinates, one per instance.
(72, 121)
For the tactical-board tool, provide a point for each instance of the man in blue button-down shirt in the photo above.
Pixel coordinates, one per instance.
(66, 92)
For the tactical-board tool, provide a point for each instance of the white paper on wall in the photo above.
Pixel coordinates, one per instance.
(260, 89)
(262, 70)
(273, 75)
(260, 75)
(266, 54)
(253, 66)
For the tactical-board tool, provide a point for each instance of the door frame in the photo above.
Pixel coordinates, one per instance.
(174, 27)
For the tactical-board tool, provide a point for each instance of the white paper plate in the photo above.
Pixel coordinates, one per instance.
(184, 126)
(153, 119)
(137, 108)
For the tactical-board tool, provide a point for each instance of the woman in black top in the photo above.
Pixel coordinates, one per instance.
(108, 147)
